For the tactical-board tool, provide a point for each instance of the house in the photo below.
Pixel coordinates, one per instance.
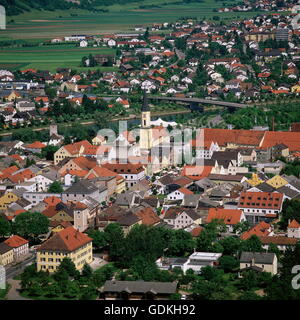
(35, 147)
(229, 216)
(83, 43)
(138, 290)
(82, 189)
(259, 261)
(195, 261)
(293, 229)
(68, 243)
(262, 229)
(6, 254)
(260, 206)
(72, 150)
(180, 218)
(281, 242)
(132, 173)
(19, 245)
(178, 194)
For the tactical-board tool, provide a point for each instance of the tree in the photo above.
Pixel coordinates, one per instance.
(249, 280)
(5, 228)
(31, 224)
(231, 245)
(99, 238)
(72, 290)
(145, 269)
(68, 265)
(87, 271)
(180, 243)
(55, 187)
(115, 239)
(241, 227)
(48, 152)
(228, 263)
(253, 244)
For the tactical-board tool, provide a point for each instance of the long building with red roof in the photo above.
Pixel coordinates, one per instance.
(68, 243)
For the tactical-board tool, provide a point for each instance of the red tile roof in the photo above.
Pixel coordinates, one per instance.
(294, 224)
(196, 172)
(279, 240)
(67, 240)
(263, 200)
(261, 229)
(36, 145)
(290, 139)
(15, 241)
(148, 216)
(229, 216)
(239, 137)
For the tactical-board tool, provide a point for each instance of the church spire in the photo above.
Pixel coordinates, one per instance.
(145, 106)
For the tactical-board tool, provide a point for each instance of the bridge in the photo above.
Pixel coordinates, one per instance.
(197, 103)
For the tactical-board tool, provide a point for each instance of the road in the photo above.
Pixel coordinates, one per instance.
(13, 271)
(13, 293)
(201, 101)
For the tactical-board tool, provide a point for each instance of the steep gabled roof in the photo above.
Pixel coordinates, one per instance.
(67, 240)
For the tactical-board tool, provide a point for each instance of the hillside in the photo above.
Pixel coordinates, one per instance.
(15, 7)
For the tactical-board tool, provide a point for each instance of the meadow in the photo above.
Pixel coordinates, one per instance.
(39, 26)
(48, 57)
(42, 24)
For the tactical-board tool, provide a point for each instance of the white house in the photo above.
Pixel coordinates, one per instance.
(178, 194)
(20, 246)
(293, 229)
(195, 261)
(42, 182)
(83, 44)
(181, 218)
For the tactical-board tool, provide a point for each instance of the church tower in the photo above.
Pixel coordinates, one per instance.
(146, 130)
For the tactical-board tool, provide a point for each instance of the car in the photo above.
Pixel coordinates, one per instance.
(183, 297)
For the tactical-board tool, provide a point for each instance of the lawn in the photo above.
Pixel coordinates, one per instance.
(42, 24)
(49, 57)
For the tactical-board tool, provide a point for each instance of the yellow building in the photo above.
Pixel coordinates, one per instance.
(146, 139)
(296, 88)
(68, 243)
(13, 96)
(277, 182)
(7, 199)
(260, 36)
(73, 150)
(6, 254)
(255, 180)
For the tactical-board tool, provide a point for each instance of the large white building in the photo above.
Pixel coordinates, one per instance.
(195, 261)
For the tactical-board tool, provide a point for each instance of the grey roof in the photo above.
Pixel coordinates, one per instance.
(225, 155)
(265, 187)
(140, 287)
(82, 186)
(128, 220)
(259, 257)
(291, 193)
(127, 198)
(4, 248)
(191, 200)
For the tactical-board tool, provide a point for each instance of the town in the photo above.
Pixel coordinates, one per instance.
(165, 169)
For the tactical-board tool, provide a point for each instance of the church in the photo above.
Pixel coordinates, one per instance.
(148, 145)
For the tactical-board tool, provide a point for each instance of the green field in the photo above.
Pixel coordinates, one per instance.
(39, 24)
(48, 57)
